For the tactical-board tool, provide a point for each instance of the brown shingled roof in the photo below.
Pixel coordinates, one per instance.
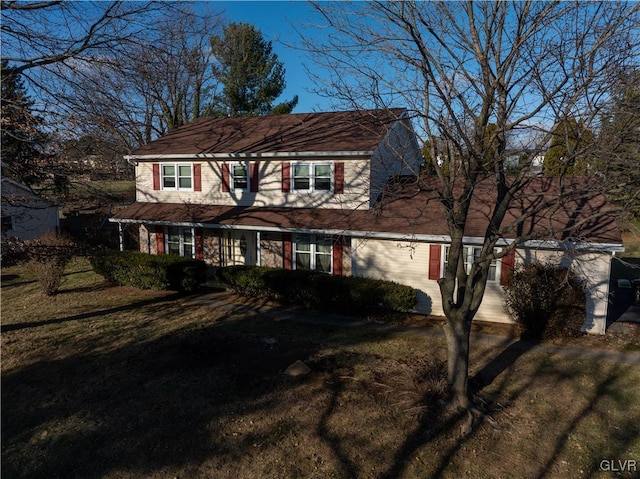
(303, 132)
(411, 212)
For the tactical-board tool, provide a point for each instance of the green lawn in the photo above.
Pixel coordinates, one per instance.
(111, 382)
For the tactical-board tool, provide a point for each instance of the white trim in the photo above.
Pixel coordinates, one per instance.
(312, 177)
(176, 176)
(313, 251)
(181, 240)
(415, 238)
(239, 156)
(232, 177)
(471, 259)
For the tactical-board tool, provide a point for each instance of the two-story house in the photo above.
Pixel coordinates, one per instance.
(307, 191)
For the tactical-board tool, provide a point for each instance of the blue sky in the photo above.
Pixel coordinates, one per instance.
(275, 19)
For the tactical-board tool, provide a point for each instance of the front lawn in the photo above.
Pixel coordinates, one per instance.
(112, 382)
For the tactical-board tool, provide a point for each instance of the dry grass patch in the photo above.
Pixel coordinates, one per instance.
(134, 384)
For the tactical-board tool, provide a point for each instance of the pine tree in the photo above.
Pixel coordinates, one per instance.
(570, 150)
(251, 74)
(22, 138)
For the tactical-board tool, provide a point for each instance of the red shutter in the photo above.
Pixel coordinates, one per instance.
(226, 185)
(286, 177)
(338, 181)
(337, 257)
(159, 240)
(287, 253)
(156, 176)
(199, 244)
(253, 177)
(508, 263)
(434, 261)
(197, 177)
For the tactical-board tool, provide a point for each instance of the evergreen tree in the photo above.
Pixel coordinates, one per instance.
(571, 145)
(619, 143)
(251, 74)
(22, 139)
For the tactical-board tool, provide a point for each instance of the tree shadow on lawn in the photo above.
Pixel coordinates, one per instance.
(91, 314)
(140, 408)
(151, 407)
(440, 423)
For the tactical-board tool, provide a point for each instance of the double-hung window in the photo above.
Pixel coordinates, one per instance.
(180, 241)
(312, 177)
(239, 176)
(313, 253)
(469, 255)
(176, 176)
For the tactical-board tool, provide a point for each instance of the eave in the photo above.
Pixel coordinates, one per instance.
(244, 155)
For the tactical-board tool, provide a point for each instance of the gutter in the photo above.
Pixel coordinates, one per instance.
(235, 156)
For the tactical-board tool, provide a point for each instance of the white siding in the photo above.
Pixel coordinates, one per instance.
(594, 269)
(356, 187)
(408, 263)
(402, 262)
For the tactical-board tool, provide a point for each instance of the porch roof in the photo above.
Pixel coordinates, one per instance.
(412, 212)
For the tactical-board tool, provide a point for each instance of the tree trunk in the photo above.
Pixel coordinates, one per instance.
(457, 330)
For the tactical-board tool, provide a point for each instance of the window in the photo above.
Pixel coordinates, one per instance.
(177, 177)
(313, 253)
(239, 176)
(312, 177)
(180, 241)
(471, 254)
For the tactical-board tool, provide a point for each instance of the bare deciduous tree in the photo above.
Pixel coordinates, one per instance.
(157, 85)
(484, 81)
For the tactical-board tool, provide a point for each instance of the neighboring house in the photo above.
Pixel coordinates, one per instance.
(308, 191)
(25, 216)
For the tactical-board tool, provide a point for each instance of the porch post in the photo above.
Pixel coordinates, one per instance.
(258, 255)
(121, 235)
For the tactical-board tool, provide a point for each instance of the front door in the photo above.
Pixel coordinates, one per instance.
(240, 248)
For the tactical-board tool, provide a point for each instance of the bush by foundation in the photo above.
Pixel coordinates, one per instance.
(546, 301)
(314, 290)
(145, 271)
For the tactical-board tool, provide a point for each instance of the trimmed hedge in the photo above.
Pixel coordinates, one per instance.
(145, 271)
(314, 290)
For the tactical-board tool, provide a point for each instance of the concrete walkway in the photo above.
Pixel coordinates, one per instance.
(226, 302)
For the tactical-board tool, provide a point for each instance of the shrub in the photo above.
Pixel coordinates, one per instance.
(314, 290)
(48, 256)
(546, 301)
(145, 271)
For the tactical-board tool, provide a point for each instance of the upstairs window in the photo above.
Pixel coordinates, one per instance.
(312, 177)
(176, 176)
(239, 176)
